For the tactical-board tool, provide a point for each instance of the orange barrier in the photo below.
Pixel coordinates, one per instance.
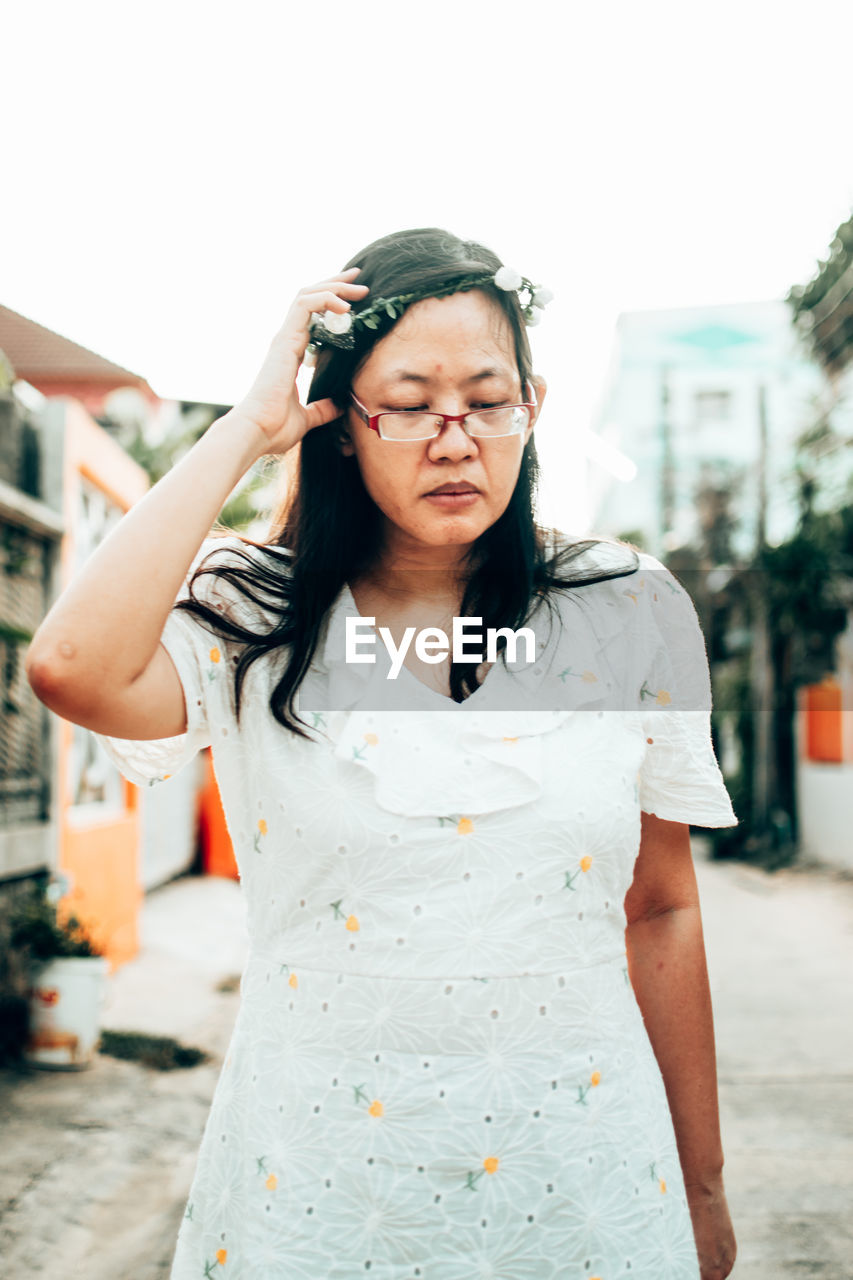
(217, 852)
(824, 740)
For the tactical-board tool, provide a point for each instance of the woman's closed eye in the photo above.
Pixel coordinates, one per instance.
(424, 408)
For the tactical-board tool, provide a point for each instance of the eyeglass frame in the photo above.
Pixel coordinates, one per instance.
(371, 420)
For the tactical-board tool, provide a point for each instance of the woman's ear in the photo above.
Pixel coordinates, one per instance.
(540, 389)
(343, 437)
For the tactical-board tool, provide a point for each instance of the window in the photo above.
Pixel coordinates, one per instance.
(713, 406)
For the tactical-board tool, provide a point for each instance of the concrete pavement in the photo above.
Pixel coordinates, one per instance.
(780, 955)
(96, 1165)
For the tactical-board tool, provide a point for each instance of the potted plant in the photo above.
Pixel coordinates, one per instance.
(67, 976)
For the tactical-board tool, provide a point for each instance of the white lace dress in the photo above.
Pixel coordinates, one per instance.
(439, 1070)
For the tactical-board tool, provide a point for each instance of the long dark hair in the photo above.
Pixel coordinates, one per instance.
(332, 529)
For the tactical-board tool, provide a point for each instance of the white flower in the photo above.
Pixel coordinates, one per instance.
(532, 317)
(336, 322)
(542, 297)
(507, 278)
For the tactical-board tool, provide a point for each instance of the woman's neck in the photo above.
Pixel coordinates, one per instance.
(420, 574)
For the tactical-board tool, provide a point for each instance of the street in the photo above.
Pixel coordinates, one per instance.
(97, 1164)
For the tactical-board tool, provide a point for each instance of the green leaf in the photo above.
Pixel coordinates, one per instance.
(390, 311)
(371, 322)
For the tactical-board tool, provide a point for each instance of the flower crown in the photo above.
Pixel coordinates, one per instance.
(336, 329)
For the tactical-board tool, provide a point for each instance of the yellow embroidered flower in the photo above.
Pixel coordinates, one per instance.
(293, 981)
(464, 826)
(490, 1164)
(589, 677)
(271, 1182)
(586, 862)
(215, 655)
(510, 739)
(595, 1079)
(664, 698)
(376, 1108)
(662, 1187)
(221, 1255)
(262, 826)
(371, 739)
(352, 924)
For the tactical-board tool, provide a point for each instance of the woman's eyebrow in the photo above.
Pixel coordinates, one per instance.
(406, 375)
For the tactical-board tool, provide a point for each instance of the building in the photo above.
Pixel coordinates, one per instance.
(699, 396)
(64, 482)
(56, 366)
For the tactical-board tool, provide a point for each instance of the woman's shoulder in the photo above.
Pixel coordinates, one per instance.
(593, 555)
(630, 587)
(592, 558)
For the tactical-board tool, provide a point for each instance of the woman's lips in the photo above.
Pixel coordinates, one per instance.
(451, 497)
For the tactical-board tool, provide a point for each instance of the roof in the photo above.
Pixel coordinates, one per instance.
(38, 355)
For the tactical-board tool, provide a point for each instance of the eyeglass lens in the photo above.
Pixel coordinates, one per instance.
(506, 420)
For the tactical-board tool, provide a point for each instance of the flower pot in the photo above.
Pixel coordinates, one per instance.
(65, 1005)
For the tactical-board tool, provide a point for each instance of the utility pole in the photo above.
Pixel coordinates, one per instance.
(667, 468)
(761, 673)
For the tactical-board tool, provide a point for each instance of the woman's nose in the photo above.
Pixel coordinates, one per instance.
(453, 442)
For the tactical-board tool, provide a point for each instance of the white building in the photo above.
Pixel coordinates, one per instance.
(684, 401)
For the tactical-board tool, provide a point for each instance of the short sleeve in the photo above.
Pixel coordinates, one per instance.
(200, 660)
(154, 760)
(680, 779)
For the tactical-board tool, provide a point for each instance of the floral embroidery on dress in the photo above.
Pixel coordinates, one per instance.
(214, 657)
(490, 1166)
(583, 867)
(351, 922)
(663, 697)
(588, 677)
(583, 1090)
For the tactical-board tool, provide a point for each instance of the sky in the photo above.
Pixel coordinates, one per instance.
(174, 172)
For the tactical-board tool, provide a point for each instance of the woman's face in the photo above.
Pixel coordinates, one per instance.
(449, 355)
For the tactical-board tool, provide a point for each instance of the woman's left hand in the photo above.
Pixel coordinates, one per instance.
(712, 1228)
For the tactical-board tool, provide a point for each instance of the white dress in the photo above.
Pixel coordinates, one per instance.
(439, 1070)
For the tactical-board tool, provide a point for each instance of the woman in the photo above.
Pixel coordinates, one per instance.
(458, 1053)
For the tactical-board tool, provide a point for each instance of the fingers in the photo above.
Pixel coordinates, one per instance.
(338, 287)
(325, 300)
(319, 412)
(328, 295)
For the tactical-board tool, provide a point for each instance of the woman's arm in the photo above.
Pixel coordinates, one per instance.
(668, 971)
(97, 659)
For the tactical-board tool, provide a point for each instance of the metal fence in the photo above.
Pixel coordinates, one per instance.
(25, 761)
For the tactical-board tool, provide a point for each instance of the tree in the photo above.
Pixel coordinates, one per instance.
(248, 505)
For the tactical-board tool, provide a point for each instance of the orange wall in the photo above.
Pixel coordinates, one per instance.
(100, 853)
(103, 860)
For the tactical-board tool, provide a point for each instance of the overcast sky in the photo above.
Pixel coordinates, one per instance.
(173, 172)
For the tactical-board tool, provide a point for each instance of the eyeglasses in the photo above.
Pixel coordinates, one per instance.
(420, 424)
